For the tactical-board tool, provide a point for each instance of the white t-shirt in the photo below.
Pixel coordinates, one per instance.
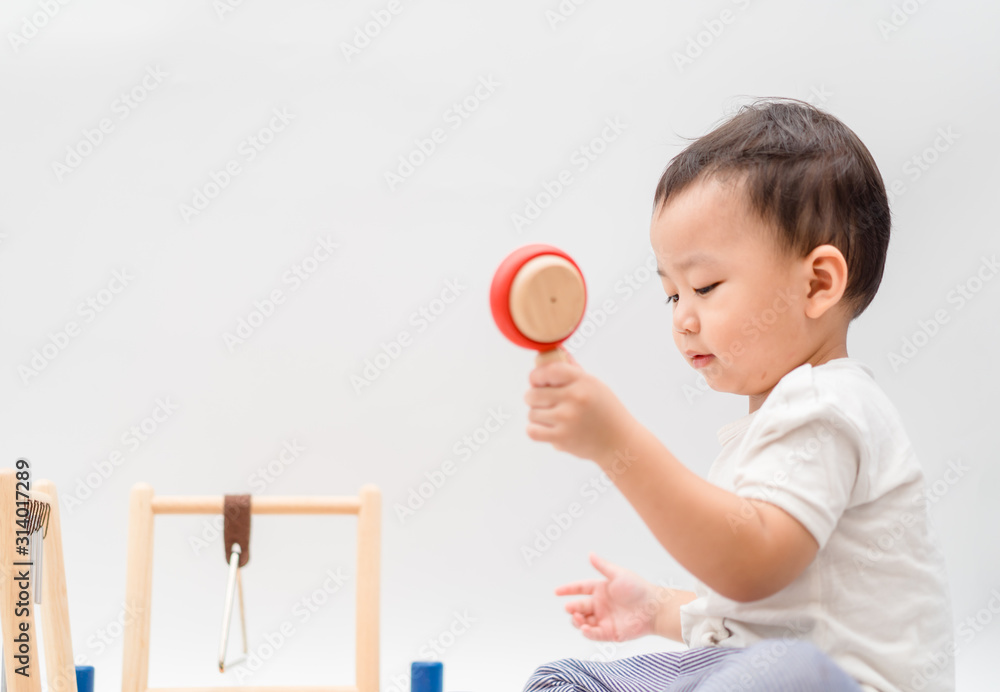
(828, 447)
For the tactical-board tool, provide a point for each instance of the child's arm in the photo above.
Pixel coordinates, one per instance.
(742, 548)
(668, 617)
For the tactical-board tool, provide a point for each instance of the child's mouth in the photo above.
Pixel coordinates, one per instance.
(701, 361)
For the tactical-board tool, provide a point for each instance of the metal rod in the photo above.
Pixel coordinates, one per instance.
(243, 622)
(38, 546)
(234, 582)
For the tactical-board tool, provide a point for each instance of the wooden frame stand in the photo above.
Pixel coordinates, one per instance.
(143, 506)
(59, 667)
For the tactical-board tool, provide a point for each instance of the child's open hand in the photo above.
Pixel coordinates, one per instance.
(574, 411)
(623, 607)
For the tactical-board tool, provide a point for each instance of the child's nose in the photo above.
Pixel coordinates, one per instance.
(685, 319)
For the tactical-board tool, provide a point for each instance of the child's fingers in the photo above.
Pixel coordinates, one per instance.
(608, 569)
(541, 397)
(582, 607)
(543, 417)
(553, 375)
(540, 433)
(569, 357)
(595, 633)
(577, 587)
(589, 628)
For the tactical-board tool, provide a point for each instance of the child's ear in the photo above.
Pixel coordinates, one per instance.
(826, 271)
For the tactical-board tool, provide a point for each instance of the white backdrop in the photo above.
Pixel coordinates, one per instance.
(218, 218)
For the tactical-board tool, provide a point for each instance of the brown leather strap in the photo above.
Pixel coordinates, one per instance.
(236, 526)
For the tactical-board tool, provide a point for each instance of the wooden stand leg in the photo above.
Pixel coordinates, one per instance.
(369, 541)
(138, 589)
(59, 667)
(10, 595)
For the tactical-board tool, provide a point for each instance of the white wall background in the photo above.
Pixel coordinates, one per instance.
(65, 232)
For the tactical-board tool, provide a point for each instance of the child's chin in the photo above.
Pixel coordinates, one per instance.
(717, 382)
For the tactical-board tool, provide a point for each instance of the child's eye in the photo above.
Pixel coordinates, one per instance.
(699, 291)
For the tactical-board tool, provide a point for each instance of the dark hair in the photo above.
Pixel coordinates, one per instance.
(807, 176)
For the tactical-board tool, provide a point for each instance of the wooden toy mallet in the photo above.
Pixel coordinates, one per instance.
(538, 297)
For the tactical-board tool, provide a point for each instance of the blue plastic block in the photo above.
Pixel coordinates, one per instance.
(85, 678)
(426, 676)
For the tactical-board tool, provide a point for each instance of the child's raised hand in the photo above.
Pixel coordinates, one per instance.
(623, 607)
(575, 411)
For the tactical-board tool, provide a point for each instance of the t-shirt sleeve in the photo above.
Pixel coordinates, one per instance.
(804, 457)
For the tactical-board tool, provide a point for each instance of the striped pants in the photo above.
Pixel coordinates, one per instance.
(771, 665)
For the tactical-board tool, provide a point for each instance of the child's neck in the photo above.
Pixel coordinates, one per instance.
(828, 352)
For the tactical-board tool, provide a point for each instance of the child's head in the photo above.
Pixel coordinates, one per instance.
(784, 214)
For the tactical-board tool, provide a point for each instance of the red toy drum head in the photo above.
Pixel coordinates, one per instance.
(538, 297)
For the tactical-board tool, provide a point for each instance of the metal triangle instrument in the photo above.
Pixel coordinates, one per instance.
(235, 584)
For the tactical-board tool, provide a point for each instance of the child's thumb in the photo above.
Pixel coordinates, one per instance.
(603, 566)
(569, 356)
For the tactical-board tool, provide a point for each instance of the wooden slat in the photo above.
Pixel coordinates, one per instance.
(213, 504)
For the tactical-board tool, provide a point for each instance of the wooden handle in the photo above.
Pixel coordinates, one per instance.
(556, 355)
